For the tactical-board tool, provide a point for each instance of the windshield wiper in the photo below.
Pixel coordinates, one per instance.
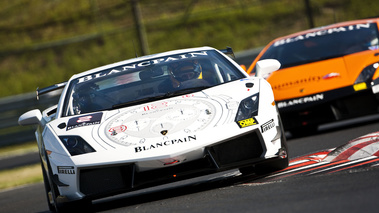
(135, 102)
(187, 90)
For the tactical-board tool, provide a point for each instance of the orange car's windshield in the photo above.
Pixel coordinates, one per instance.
(323, 44)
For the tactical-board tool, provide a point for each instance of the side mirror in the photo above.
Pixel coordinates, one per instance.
(30, 118)
(243, 67)
(266, 67)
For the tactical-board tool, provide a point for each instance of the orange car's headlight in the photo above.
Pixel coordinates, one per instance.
(367, 73)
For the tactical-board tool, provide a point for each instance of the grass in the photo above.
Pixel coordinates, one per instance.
(20, 176)
(23, 175)
(47, 42)
(17, 150)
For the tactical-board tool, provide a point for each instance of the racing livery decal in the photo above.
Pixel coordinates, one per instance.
(324, 32)
(186, 115)
(268, 125)
(305, 81)
(117, 129)
(247, 122)
(303, 100)
(165, 143)
(131, 119)
(66, 170)
(297, 82)
(141, 64)
(86, 120)
(320, 67)
(331, 75)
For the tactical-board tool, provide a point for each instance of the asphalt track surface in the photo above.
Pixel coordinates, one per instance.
(333, 187)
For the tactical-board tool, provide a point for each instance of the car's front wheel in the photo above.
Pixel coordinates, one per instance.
(52, 194)
(266, 167)
(47, 188)
(281, 162)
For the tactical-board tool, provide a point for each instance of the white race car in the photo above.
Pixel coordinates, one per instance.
(153, 120)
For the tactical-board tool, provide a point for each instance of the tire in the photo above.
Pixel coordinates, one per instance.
(247, 170)
(47, 187)
(273, 165)
(279, 163)
(51, 187)
(266, 167)
(83, 205)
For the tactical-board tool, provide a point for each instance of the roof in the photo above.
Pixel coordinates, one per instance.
(336, 25)
(163, 54)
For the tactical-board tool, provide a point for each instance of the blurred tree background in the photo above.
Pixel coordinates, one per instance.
(44, 42)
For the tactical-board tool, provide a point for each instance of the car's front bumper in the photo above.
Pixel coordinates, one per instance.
(329, 106)
(245, 150)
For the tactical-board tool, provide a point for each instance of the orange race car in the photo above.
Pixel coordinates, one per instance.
(327, 74)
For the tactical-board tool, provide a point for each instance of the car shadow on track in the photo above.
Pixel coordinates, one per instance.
(339, 125)
(167, 191)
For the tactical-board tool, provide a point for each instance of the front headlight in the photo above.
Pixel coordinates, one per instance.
(248, 108)
(367, 73)
(76, 145)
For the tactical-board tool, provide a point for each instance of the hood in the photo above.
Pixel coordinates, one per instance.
(178, 119)
(321, 76)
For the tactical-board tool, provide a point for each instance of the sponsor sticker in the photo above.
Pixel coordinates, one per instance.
(331, 75)
(117, 129)
(268, 125)
(141, 64)
(303, 100)
(244, 79)
(323, 32)
(86, 120)
(247, 122)
(70, 170)
(305, 81)
(165, 143)
(155, 106)
(297, 82)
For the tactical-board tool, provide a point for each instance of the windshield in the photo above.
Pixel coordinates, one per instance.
(323, 44)
(148, 80)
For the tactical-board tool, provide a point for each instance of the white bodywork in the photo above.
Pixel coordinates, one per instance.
(154, 135)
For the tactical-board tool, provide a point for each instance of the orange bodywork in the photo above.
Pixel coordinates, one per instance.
(319, 76)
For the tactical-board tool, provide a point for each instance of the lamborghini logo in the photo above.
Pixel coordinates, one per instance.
(164, 132)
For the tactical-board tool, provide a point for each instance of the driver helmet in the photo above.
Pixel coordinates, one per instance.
(83, 98)
(187, 70)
